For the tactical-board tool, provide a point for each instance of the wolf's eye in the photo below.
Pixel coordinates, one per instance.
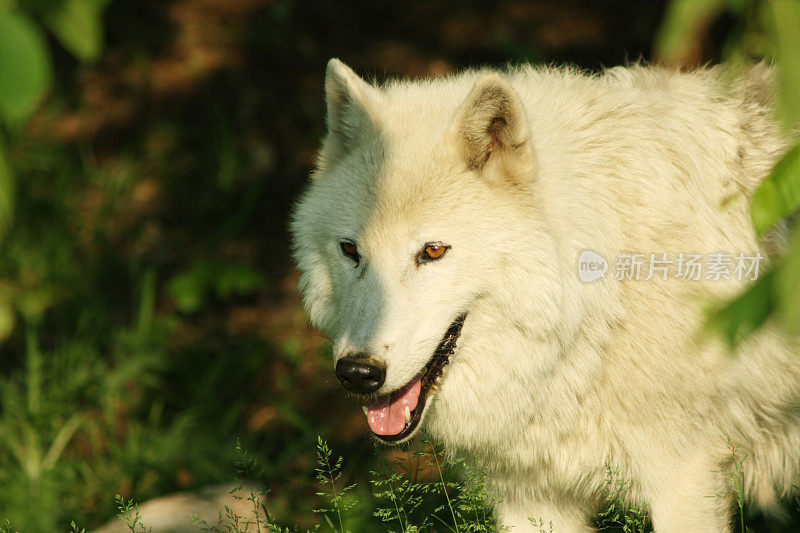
(349, 249)
(432, 252)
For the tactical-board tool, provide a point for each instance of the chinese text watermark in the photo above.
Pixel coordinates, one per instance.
(717, 266)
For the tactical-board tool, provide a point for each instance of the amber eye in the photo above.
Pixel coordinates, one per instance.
(432, 252)
(349, 249)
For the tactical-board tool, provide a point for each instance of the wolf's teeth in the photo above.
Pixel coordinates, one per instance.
(408, 414)
(364, 408)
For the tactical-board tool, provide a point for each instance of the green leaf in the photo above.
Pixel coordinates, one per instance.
(78, 25)
(238, 279)
(7, 189)
(33, 302)
(748, 312)
(787, 285)
(7, 320)
(24, 66)
(786, 30)
(779, 195)
(683, 21)
(189, 289)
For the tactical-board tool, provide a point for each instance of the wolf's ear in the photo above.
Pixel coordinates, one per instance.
(490, 132)
(351, 110)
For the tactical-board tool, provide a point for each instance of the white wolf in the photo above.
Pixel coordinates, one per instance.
(438, 245)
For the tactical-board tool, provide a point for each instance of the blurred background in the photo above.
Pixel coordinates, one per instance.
(149, 155)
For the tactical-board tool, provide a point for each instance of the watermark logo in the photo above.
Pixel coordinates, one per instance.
(718, 266)
(591, 266)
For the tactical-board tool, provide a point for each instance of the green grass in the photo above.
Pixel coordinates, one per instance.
(397, 502)
(455, 499)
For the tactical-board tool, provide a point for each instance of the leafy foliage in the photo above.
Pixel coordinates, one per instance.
(618, 511)
(248, 471)
(736, 478)
(192, 288)
(128, 511)
(768, 30)
(75, 528)
(78, 25)
(328, 472)
(404, 500)
(6, 527)
(24, 65)
(737, 319)
(683, 22)
(779, 196)
(26, 68)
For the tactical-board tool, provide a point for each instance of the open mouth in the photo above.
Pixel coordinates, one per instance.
(395, 417)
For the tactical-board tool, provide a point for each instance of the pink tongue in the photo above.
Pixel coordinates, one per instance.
(387, 416)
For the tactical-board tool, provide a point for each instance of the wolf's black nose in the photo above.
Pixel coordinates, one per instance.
(356, 375)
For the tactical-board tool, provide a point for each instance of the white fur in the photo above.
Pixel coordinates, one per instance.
(555, 380)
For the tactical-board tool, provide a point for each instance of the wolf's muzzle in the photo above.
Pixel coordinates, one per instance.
(359, 374)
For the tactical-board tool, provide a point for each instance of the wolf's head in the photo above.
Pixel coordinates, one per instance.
(419, 226)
